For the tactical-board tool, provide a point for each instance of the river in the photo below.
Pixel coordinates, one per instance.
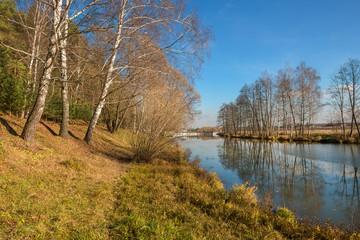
(314, 180)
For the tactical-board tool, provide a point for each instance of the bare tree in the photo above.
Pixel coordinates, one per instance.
(351, 73)
(313, 100)
(64, 126)
(308, 95)
(36, 113)
(162, 22)
(338, 93)
(81, 8)
(58, 35)
(32, 22)
(294, 94)
(165, 107)
(291, 96)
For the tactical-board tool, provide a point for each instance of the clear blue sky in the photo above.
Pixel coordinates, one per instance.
(257, 35)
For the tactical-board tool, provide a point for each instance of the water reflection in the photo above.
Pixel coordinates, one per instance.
(347, 193)
(291, 180)
(314, 180)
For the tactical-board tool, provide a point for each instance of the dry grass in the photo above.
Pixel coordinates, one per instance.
(181, 201)
(57, 188)
(64, 189)
(319, 134)
(105, 151)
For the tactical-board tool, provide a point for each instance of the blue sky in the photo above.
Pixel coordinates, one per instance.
(257, 35)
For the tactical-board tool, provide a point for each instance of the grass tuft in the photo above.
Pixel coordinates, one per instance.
(285, 214)
(75, 164)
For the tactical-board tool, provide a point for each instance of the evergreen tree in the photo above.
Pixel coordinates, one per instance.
(7, 30)
(13, 75)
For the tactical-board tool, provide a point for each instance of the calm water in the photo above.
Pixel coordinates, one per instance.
(320, 180)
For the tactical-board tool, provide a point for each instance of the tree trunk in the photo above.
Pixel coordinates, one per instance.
(343, 121)
(33, 120)
(33, 58)
(357, 125)
(293, 115)
(34, 79)
(64, 127)
(109, 78)
(351, 126)
(354, 87)
(278, 119)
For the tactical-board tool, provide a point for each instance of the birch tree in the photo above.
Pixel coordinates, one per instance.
(35, 32)
(313, 97)
(163, 22)
(29, 130)
(57, 37)
(64, 127)
(86, 8)
(292, 98)
(309, 95)
(31, 23)
(351, 72)
(338, 94)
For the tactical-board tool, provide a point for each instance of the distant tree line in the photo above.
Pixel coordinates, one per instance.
(345, 93)
(127, 63)
(289, 101)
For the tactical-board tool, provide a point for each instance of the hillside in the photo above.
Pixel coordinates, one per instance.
(65, 189)
(56, 188)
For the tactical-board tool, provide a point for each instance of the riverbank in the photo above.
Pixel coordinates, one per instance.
(315, 138)
(65, 189)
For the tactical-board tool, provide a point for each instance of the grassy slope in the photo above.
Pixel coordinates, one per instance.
(57, 189)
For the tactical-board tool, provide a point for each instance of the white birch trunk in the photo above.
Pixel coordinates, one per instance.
(33, 120)
(64, 127)
(33, 56)
(109, 77)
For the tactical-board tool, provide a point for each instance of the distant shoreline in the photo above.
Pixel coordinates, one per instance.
(316, 138)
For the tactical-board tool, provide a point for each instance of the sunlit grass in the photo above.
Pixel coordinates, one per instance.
(182, 201)
(64, 189)
(57, 189)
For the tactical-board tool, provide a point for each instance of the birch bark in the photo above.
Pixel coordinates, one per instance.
(33, 120)
(109, 76)
(64, 127)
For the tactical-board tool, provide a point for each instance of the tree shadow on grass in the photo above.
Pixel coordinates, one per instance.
(8, 127)
(48, 128)
(72, 135)
(118, 153)
(55, 134)
(118, 156)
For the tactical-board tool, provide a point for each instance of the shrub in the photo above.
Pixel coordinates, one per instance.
(285, 214)
(283, 138)
(350, 140)
(317, 138)
(300, 138)
(245, 193)
(147, 146)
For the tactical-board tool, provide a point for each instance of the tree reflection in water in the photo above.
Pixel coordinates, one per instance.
(295, 178)
(347, 194)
